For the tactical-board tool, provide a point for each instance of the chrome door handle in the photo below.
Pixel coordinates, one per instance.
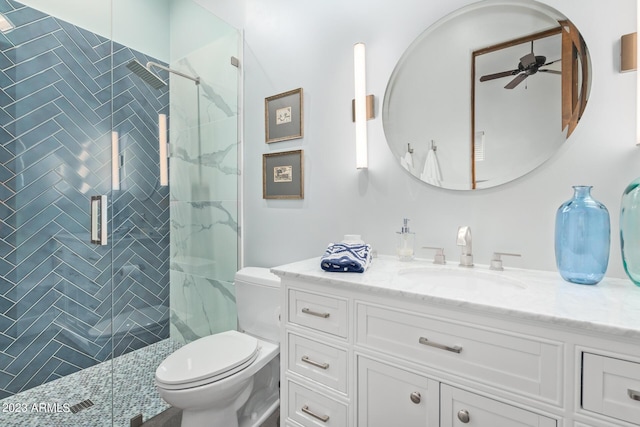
(323, 418)
(98, 214)
(306, 359)
(306, 310)
(635, 395)
(454, 349)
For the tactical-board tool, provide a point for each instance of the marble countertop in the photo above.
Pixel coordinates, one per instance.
(610, 307)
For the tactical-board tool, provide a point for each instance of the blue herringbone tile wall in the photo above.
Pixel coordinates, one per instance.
(62, 92)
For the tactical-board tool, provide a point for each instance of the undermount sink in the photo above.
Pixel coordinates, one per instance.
(459, 279)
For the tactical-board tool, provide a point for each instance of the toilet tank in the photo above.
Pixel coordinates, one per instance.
(258, 301)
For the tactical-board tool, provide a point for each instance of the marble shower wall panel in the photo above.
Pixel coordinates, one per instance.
(200, 306)
(204, 192)
(203, 238)
(208, 171)
(55, 143)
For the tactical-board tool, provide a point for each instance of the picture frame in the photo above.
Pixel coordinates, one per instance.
(283, 175)
(284, 116)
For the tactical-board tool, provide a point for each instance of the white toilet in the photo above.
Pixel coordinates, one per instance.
(230, 379)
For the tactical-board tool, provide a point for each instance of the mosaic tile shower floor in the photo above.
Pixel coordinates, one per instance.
(133, 393)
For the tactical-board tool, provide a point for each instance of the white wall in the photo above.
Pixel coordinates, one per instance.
(290, 44)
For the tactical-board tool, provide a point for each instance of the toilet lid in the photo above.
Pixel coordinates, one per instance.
(207, 357)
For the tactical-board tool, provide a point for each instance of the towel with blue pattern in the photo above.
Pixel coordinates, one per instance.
(346, 258)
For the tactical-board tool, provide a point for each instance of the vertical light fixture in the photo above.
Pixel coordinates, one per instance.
(115, 161)
(162, 149)
(360, 105)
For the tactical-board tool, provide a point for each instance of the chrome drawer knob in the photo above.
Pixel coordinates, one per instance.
(415, 397)
(463, 415)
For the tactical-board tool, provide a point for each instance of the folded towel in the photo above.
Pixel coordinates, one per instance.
(407, 162)
(346, 257)
(431, 172)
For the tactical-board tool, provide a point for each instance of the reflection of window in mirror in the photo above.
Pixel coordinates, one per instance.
(516, 104)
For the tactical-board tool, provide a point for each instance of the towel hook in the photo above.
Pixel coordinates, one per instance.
(409, 149)
(433, 145)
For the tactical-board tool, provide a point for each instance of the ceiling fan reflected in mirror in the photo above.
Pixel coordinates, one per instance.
(529, 65)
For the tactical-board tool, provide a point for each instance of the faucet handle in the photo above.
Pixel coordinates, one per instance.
(496, 261)
(438, 258)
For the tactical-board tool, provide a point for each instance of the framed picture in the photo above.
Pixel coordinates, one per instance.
(284, 116)
(283, 175)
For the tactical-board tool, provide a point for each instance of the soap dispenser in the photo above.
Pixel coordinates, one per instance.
(406, 242)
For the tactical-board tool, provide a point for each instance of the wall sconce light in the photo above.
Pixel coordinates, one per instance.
(629, 52)
(362, 105)
(162, 149)
(115, 161)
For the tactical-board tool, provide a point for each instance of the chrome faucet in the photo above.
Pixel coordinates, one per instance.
(464, 241)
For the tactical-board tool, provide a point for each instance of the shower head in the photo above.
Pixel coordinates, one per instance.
(150, 78)
(5, 24)
(146, 75)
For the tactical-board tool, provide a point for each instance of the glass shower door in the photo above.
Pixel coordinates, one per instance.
(175, 111)
(55, 270)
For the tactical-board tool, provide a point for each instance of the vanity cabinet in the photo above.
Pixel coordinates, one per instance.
(354, 355)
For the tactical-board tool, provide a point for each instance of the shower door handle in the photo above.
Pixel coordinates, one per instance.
(98, 213)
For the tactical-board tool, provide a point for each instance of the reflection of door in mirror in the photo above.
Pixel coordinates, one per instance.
(516, 105)
(575, 76)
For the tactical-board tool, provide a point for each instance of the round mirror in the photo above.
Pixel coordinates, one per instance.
(486, 94)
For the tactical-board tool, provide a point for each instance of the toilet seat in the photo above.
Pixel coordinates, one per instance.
(207, 360)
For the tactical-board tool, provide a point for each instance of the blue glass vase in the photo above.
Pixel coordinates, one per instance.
(630, 230)
(582, 238)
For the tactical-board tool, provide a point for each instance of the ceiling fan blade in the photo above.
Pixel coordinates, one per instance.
(552, 62)
(498, 75)
(528, 60)
(550, 71)
(515, 82)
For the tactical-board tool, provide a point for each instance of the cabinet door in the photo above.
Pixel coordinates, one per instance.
(611, 387)
(389, 396)
(460, 408)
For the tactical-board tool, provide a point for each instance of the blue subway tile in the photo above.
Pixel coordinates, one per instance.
(31, 85)
(76, 43)
(71, 55)
(32, 48)
(81, 100)
(25, 15)
(33, 101)
(28, 31)
(77, 79)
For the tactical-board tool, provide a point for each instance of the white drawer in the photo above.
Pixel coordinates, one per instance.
(309, 408)
(323, 313)
(458, 407)
(611, 387)
(320, 362)
(522, 364)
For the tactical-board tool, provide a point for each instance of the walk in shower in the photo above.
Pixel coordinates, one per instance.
(107, 265)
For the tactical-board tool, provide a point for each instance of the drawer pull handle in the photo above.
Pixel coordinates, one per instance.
(323, 418)
(463, 416)
(306, 359)
(415, 397)
(635, 395)
(315, 313)
(454, 349)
